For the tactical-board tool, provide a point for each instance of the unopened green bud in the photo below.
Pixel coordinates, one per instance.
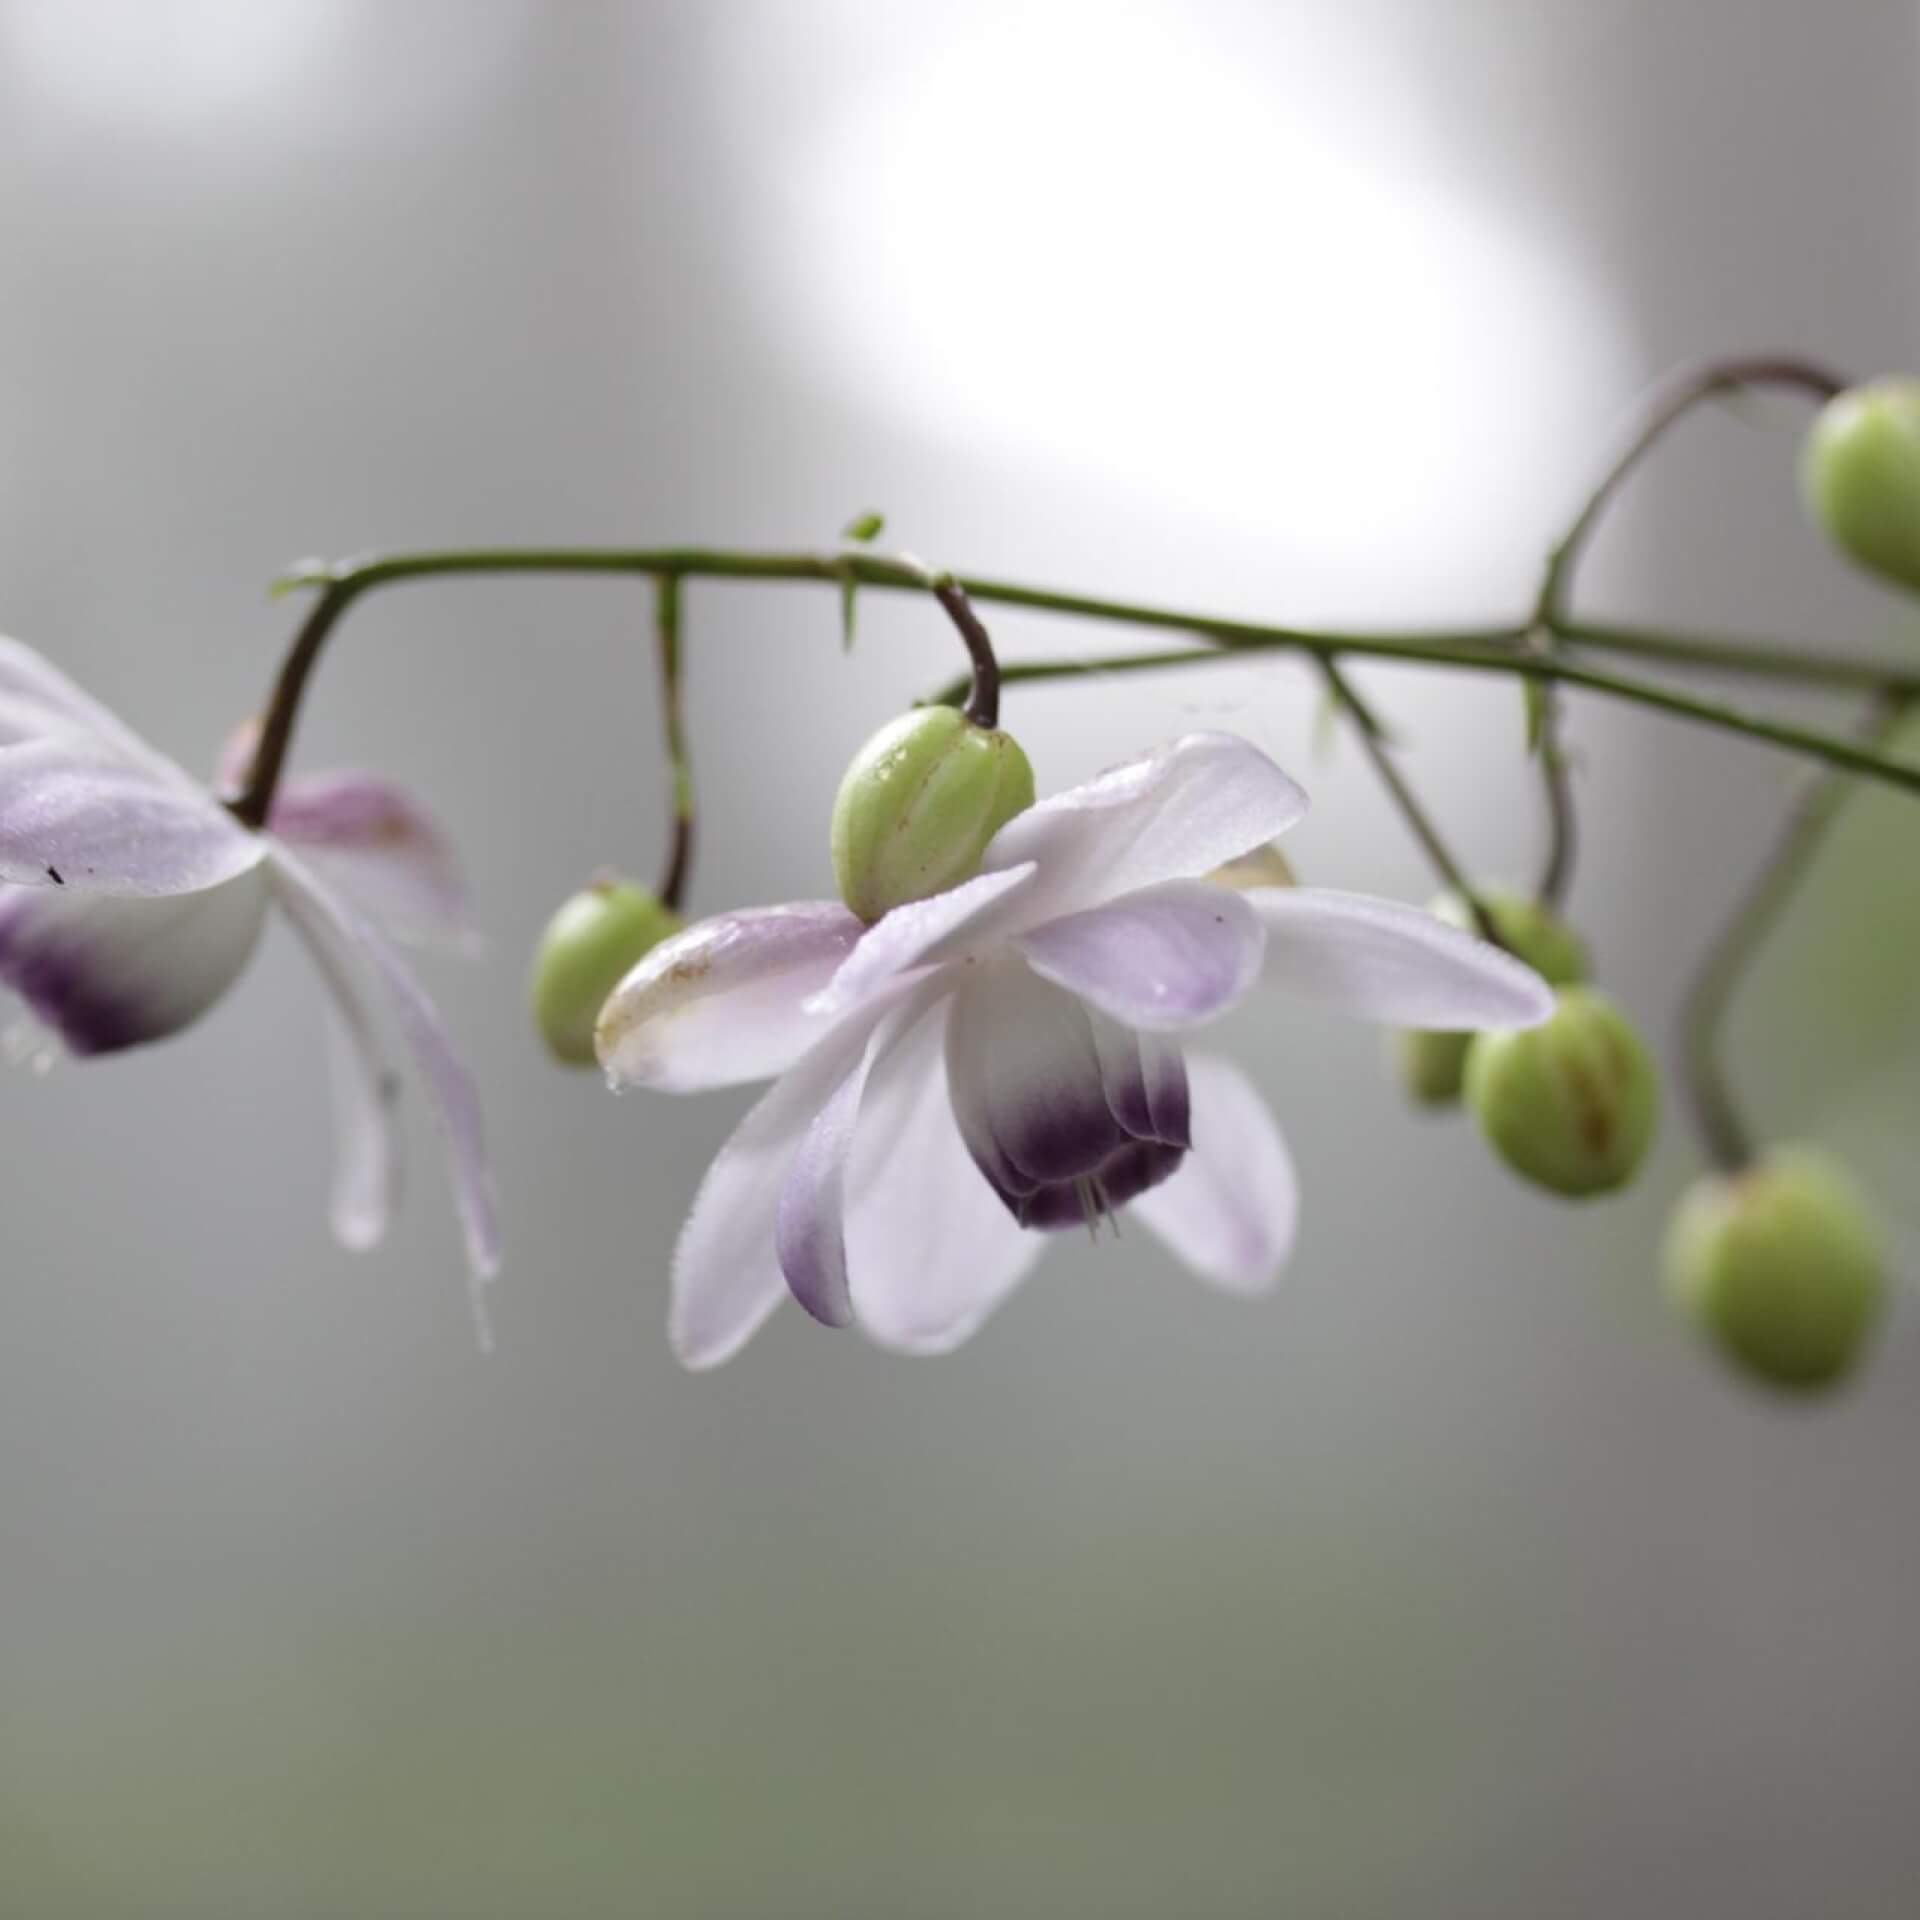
(918, 806)
(1860, 476)
(1432, 1063)
(1572, 1103)
(1782, 1266)
(588, 947)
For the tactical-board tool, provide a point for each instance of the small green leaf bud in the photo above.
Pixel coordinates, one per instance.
(1782, 1266)
(1432, 1064)
(918, 806)
(1860, 476)
(587, 949)
(1571, 1104)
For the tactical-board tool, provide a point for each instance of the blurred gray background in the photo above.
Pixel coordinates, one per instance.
(1452, 1581)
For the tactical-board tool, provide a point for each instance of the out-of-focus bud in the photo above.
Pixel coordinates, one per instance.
(588, 947)
(1572, 1103)
(918, 805)
(1782, 1266)
(1860, 476)
(1432, 1064)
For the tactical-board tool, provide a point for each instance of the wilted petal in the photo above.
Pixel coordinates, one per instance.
(725, 1001)
(1030, 1097)
(72, 815)
(1164, 958)
(1385, 961)
(1230, 1211)
(726, 1269)
(375, 843)
(923, 933)
(1174, 814)
(363, 972)
(107, 971)
(931, 1251)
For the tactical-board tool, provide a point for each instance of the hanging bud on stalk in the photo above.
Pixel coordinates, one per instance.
(1860, 476)
(1571, 1104)
(1781, 1266)
(1432, 1063)
(918, 805)
(588, 948)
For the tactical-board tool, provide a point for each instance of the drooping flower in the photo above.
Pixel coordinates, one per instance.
(1005, 1058)
(131, 899)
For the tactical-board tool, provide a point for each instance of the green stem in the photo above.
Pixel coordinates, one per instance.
(1667, 404)
(666, 627)
(1703, 1011)
(1438, 853)
(1499, 649)
(1830, 749)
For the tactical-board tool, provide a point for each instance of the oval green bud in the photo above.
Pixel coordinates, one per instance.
(918, 805)
(588, 947)
(1782, 1266)
(1860, 476)
(1572, 1103)
(1432, 1064)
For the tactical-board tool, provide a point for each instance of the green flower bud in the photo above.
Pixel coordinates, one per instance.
(587, 949)
(918, 806)
(1781, 1266)
(1860, 476)
(1433, 1064)
(1571, 1104)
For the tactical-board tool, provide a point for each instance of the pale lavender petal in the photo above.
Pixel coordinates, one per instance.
(1231, 1210)
(107, 971)
(810, 1229)
(363, 970)
(71, 815)
(1174, 814)
(1386, 961)
(726, 1267)
(726, 1000)
(366, 1096)
(1164, 958)
(931, 1250)
(38, 701)
(1031, 1099)
(374, 842)
(1144, 1076)
(924, 933)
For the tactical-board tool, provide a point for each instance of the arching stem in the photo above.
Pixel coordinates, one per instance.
(1716, 1114)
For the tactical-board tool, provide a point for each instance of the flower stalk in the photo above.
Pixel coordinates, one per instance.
(666, 627)
(1439, 854)
(1724, 1134)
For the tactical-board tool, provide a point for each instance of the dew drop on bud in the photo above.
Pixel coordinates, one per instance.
(1432, 1064)
(1782, 1266)
(588, 947)
(1860, 476)
(1571, 1104)
(918, 805)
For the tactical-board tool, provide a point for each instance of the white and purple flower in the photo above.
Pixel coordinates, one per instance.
(1004, 1058)
(131, 899)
